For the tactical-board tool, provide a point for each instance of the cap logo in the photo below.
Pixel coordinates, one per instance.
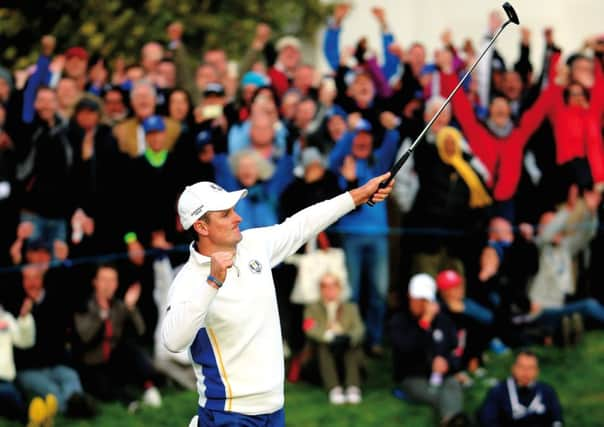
(255, 266)
(438, 335)
(216, 187)
(197, 211)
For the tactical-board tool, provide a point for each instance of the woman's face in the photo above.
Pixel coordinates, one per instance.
(179, 106)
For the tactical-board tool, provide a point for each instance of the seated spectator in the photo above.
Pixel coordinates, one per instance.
(522, 400)
(43, 369)
(108, 357)
(423, 344)
(20, 333)
(336, 329)
(559, 243)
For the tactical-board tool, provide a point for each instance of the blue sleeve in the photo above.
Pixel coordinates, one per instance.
(238, 138)
(331, 46)
(385, 155)
(488, 415)
(390, 61)
(39, 77)
(340, 151)
(223, 175)
(282, 176)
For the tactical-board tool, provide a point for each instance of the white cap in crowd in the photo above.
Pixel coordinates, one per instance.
(205, 196)
(422, 286)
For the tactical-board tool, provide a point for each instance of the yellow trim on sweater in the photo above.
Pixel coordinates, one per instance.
(222, 370)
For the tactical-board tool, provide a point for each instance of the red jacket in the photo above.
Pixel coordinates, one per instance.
(578, 131)
(501, 156)
(279, 80)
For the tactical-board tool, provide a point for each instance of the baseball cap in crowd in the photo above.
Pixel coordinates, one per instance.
(203, 138)
(422, 286)
(88, 103)
(254, 78)
(448, 279)
(311, 155)
(215, 89)
(363, 126)
(76, 51)
(336, 110)
(288, 41)
(205, 196)
(154, 124)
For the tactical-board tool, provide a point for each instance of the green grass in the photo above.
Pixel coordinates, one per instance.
(577, 375)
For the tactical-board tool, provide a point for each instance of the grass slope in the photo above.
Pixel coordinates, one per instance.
(577, 375)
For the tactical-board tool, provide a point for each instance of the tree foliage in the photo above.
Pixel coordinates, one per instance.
(120, 27)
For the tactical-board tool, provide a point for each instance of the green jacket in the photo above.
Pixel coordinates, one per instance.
(315, 321)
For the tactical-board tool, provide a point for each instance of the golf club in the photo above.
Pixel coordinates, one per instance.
(512, 18)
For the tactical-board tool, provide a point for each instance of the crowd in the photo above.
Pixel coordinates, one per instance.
(491, 240)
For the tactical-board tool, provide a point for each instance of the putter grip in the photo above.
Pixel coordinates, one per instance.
(393, 171)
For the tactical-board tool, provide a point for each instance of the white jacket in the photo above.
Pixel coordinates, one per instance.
(233, 334)
(20, 333)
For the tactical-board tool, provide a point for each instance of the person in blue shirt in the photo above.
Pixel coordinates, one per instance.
(521, 400)
(365, 230)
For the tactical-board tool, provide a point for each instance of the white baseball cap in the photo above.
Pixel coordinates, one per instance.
(205, 196)
(422, 286)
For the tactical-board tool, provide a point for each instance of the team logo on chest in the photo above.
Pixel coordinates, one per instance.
(255, 266)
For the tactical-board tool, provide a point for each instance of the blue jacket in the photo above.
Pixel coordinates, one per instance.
(364, 219)
(533, 406)
(260, 207)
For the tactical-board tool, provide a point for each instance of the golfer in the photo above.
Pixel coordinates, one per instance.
(222, 304)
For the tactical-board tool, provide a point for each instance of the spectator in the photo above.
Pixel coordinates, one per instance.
(560, 239)
(76, 64)
(43, 369)
(423, 344)
(20, 333)
(365, 238)
(336, 329)
(109, 358)
(68, 95)
(522, 400)
(130, 133)
(115, 106)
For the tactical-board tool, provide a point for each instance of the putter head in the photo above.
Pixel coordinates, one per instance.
(511, 13)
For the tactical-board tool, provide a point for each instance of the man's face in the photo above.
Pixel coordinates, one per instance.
(303, 78)
(114, 104)
(178, 106)
(75, 67)
(222, 229)
(247, 171)
(417, 56)
(417, 306)
(152, 53)
(105, 283)
(218, 59)
(143, 102)
(525, 370)
(135, 74)
(261, 131)
(46, 104)
(362, 145)
(289, 104)
(305, 113)
(87, 119)
(456, 293)
(205, 74)
(362, 90)
(330, 288)
(167, 72)
(582, 71)
(512, 85)
(289, 57)
(33, 281)
(67, 93)
(155, 140)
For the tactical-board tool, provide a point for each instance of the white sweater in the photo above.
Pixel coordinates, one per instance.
(233, 334)
(20, 333)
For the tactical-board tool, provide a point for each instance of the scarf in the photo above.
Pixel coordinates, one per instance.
(479, 197)
(500, 131)
(156, 158)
